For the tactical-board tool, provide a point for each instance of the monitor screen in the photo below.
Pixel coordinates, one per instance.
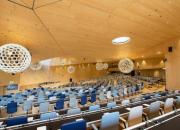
(12, 87)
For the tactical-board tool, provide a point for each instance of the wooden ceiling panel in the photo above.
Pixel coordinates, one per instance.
(24, 28)
(85, 28)
(28, 3)
(44, 3)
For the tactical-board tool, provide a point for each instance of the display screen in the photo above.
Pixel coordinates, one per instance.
(12, 87)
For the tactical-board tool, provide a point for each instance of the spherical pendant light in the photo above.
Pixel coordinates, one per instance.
(14, 58)
(105, 66)
(99, 66)
(36, 66)
(71, 69)
(126, 65)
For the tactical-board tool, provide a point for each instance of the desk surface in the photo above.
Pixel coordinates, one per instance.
(171, 124)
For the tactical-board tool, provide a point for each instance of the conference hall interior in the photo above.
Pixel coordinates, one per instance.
(89, 64)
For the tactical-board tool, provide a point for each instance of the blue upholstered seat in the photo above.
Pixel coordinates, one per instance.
(83, 99)
(146, 97)
(73, 102)
(110, 121)
(102, 96)
(27, 105)
(59, 104)
(93, 97)
(94, 108)
(17, 121)
(74, 111)
(12, 107)
(111, 105)
(44, 107)
(41, 100)
(47, 116)
(115, 93)
(76, 125)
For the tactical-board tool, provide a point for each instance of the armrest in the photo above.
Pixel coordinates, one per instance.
(174, 107)
(162, 103)
(128, 109)
(145, 116)
(124, 122)
(161, 111)
(122, 119)
(94, 127)
(146, 105)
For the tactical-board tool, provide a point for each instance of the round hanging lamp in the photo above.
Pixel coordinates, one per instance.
(14, 58)
(36, 66)
(126, 65)
(71, 69)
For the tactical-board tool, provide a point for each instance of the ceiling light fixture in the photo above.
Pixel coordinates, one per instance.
(120, 40)
(126, 65)
(14, 58)
(71, 69)
(159, 52)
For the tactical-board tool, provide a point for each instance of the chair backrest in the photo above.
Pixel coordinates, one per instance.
(153, 109)
(11, 107)
(135, 115)
(154, 106)
(111, 105)
(83, 99)
(80, 93)
(176, 91)
(47, 116)
(169, 102)
(115, 93)
(44, 107)
(125, 91)
(157, 95)
(74, 111)
(76, 125)
(31, 97)
(16, 121)
(93, 97)
(101, 96)
(129, 89)
(73, 102)
(94, 108)
(109, 94)
(41, 99)
(27, 105)
(178, 100)
(59, 104)
(146, 97)
(168, 105)
(110, 121)
(125, 102)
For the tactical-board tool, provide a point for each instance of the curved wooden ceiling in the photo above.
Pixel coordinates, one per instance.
(80, 29)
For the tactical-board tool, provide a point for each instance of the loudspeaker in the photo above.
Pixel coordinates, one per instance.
(133, 73)
(70, 80)
(170, 49)
(165, 59)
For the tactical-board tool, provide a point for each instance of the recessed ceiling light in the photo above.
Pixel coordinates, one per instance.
(159, 52)
(120, 40)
